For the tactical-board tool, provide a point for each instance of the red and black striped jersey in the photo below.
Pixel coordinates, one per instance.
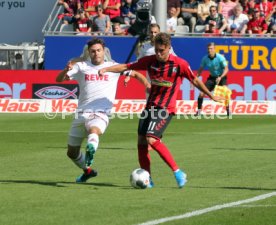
(166, 78)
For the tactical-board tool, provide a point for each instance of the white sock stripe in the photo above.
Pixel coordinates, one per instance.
(79, 157)
(94, 140)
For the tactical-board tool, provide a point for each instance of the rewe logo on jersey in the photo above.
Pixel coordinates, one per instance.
(56, 92)
(96, 77)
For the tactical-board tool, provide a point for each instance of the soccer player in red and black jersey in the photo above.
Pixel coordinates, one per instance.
(166, 72)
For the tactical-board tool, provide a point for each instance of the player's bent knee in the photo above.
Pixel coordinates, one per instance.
(151, 140)
(73, 151)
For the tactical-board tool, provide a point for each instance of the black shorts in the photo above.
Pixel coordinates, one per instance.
(153, 122)
(211, 82)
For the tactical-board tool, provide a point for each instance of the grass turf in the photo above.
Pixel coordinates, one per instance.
(226, 161)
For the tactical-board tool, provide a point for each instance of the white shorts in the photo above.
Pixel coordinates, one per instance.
(81, 125)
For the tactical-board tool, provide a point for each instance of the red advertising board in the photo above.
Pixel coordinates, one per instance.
(25, 84)
(51, 107)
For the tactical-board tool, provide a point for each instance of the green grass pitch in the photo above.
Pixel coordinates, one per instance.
(226, 161)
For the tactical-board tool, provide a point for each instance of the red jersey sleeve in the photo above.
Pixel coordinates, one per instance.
(186, 71)
(141, 64)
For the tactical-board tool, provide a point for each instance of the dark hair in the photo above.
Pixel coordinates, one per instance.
(213, 7)
(96, 41)
(98, 7)
(163, 39)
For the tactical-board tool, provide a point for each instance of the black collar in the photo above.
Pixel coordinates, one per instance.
(211, 57)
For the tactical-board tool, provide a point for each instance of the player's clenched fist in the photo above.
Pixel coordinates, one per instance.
(101, 72)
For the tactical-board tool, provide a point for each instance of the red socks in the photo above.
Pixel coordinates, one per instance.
(144, 157)
(165, 154)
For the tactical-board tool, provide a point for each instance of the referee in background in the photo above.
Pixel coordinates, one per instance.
(218, 68)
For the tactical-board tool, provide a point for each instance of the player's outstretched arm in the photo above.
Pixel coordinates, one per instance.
(201, 86)
(115, 69)
(62, 76)
(199, 71)
(141, 78)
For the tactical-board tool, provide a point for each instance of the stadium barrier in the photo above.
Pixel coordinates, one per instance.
(51, 107)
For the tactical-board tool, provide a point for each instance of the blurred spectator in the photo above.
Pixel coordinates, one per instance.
(248, 7)
(225, 7)
(83, 25)
(266, 8)
(71, 8)
(257, 25)
(272, 23)
(237, 23)
(18, 62)
(117, 30)
(174, 3)
(189, 14)
(147, 48)
(89, 7)
(128, 11)
(101, 22)
(215, 22)
(204, 10)
(171, 20)
(112, 9)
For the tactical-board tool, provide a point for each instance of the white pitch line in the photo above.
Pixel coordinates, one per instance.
(210, 209)
(254, 206)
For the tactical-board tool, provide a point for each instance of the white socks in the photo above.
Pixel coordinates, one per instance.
(94, 140)
(80, 160)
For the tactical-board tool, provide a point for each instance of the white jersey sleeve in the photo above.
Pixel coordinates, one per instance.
(74, 72)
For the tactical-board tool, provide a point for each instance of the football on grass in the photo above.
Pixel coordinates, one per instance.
(140, 178)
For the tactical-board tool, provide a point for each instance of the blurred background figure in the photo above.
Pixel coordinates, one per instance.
(203, 11)
(112, 9)
(188, 14)
(272, 23)
(101, 22)
(215, 22)
(175, 4)
(118, 30)
(128, 11)
(89, 7)
(237, 23)
(83, 25)
(171, 20)
(225, 7)
(257, 25)
(71, 8)
(18, 62)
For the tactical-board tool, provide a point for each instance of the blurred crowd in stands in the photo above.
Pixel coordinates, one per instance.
(209, 17)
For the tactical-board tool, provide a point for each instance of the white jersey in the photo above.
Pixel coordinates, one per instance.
(97, 93)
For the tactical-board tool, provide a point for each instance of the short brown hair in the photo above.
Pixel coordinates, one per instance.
(163, 39)
(96, 41)
(211, 44)
(154, 25)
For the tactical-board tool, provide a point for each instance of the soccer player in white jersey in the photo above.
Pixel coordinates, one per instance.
(97, 94)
